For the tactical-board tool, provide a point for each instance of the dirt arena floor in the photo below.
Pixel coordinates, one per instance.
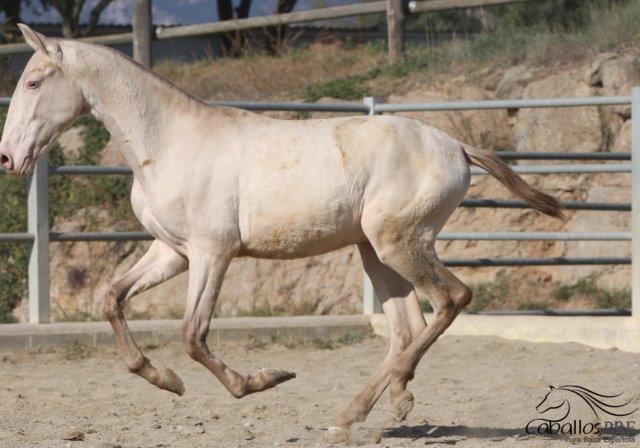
(470, 392)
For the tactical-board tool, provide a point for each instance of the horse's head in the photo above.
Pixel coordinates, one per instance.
(46, 101)
(552, 400)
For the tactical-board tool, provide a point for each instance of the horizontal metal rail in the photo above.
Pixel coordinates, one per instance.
(89, 170)
(520, 169)
(554, 261)
(535, 236)
(16, 238)
(528, 103)
(569, 205)
(100, 236)
(446, 236)
(555, 312)
(530, 155)
(293, 107)
(565, 169)
(422, 107)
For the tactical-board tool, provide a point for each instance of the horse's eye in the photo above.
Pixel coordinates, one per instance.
(33, 84)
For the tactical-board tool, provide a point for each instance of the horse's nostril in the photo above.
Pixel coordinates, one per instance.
(5, 161)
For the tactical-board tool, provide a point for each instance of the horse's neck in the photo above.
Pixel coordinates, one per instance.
(135, 106)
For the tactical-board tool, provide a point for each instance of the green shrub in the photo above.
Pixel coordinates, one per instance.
(486, 295)
(588, 288)
(349, 88)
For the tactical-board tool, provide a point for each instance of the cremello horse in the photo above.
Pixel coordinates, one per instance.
(214, 183)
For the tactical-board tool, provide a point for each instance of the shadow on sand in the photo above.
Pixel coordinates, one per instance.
(453, 434)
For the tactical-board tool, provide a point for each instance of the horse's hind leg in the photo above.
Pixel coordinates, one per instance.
(405, 243)
(206, 273)
(159, 264)
(448, 296)
(398, 302)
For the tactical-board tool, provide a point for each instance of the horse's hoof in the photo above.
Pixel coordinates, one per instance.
(268, 378)
(403, 406)
(170, 381)
(338, 434)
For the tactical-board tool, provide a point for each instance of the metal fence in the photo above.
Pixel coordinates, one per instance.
(40, 236)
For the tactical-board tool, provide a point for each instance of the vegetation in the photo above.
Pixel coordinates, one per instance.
(539, 33)
(587, 287)
(490, 295)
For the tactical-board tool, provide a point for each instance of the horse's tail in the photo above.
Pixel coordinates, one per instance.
(538, 200)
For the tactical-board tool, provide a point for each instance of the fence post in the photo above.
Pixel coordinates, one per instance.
(38, 226)
(635, 201)
(370, 302)
(142, 32)
(395, 29)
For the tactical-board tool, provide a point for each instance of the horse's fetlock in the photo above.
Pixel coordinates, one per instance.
(136, 364)
(239, 388)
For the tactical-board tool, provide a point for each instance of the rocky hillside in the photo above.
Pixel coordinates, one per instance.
(332, 283)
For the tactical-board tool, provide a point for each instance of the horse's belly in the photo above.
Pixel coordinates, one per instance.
(294, 236)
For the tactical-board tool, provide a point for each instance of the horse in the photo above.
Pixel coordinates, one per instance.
(214, 183)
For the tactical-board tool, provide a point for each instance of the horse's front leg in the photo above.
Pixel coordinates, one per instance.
(160, 263)
(206, 273)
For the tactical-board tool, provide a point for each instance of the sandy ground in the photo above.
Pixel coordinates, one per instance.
(470, 392)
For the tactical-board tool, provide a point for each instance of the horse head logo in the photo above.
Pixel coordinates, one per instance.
(560, 398)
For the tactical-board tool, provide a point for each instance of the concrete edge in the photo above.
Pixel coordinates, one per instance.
(602, 332)
(288, 329)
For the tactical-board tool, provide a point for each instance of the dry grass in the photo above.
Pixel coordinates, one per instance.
(337, 69)
(259, 76)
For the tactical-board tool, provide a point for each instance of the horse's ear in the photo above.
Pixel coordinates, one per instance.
(42, 44)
